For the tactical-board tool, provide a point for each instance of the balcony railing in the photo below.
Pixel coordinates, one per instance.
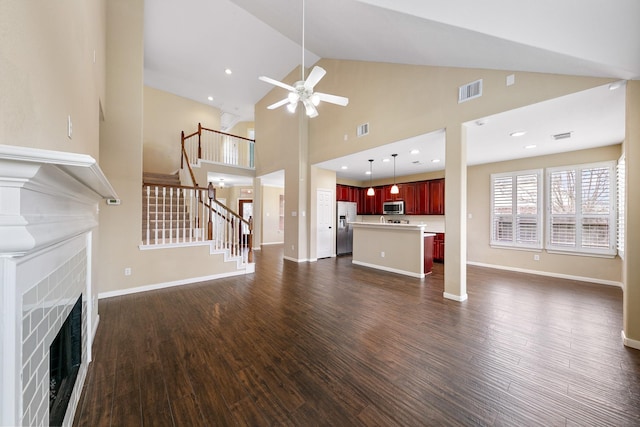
(217, 147)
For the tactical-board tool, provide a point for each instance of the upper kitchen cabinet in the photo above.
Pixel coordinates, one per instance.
(422, 197)
(436, 197)
(409, 197)
(342, 193)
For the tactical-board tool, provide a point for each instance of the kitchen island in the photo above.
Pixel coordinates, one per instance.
(398, 248)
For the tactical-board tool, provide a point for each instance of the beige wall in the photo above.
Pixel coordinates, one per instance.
(48, 73)
(165, 117)
(121, 144)
(401, 101)
(631, 269)
(242, 129)
(398, 101)
(479, 225)
(271, 215)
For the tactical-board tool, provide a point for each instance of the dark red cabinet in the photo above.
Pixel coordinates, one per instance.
(428, 254)
(436, 197)
(409, 197)
(438, 247)
(420, 198)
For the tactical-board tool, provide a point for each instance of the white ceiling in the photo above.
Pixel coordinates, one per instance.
(188, 45)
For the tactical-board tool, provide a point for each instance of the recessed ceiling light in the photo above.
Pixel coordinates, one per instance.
(435, 161)
(344, 167)
(385, 160)
(228, 71)
(530, 146)
(210, 98)
(415, 151)
(367, 173)
(518, 133)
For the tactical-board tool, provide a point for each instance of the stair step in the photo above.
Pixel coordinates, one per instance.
(160, 178)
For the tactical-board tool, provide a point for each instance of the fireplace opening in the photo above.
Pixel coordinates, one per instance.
(65, 356)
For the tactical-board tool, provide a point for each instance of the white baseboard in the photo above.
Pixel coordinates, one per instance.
(288, 258)
(272, 243)
(629, 342)
(389, 269)
(548, 274)
(454, 297)
(95, 327)
(157, 286)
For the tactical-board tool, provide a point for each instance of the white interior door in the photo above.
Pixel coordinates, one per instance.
(325, 224)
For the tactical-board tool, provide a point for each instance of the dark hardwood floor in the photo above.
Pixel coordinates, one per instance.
(329, 343)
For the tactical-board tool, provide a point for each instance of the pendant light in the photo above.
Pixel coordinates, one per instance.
(371, 191)
(394, 188)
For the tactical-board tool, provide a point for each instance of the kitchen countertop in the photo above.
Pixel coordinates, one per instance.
(411, 226)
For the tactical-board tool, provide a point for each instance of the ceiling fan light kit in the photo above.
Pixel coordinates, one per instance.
(302, 91)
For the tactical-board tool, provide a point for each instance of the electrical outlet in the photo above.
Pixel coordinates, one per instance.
(382, 254)
(127, 271)
(536, 257)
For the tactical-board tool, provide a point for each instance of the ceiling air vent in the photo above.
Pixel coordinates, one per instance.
(363, 130)
(562, 136)
(470, 91)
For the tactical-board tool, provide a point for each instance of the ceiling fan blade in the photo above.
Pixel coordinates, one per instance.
(314, 77)
(276, 83)
(278, 104)
(334, 99)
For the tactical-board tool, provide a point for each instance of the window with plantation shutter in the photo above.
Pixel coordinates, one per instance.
(516, 218)
(621, 180)
(581, 207)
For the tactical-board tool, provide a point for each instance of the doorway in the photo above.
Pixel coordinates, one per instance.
(245, 210)
(325, 224)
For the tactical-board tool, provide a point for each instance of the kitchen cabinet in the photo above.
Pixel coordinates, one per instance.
(438, 247)
(373, 204)
(409, 197)
(342, 193)
(436, 197)
(428, 253)
(422, 197)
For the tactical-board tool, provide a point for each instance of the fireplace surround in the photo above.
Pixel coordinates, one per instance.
(48, 215)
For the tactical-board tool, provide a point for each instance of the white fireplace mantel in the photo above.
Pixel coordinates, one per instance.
(45, 197)
(48, 211)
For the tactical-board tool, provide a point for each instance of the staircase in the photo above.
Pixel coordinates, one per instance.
(164, 212)
(177, 215)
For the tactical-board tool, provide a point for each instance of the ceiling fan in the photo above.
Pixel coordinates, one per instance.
(303, 90)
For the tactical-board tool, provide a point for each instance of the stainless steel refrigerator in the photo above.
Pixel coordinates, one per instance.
(344, 230)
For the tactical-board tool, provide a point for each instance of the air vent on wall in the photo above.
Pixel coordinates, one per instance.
(363, 130)
(562, 136)
(470, 91)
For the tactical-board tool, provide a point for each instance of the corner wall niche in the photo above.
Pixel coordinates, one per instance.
(48, 211)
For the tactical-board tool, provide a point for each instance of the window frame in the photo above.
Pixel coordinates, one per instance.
(539, 217)
(578, 248)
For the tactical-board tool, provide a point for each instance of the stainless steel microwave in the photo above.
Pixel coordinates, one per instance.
(393, 208)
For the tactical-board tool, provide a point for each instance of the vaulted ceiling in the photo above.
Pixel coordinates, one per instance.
(190, 43)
